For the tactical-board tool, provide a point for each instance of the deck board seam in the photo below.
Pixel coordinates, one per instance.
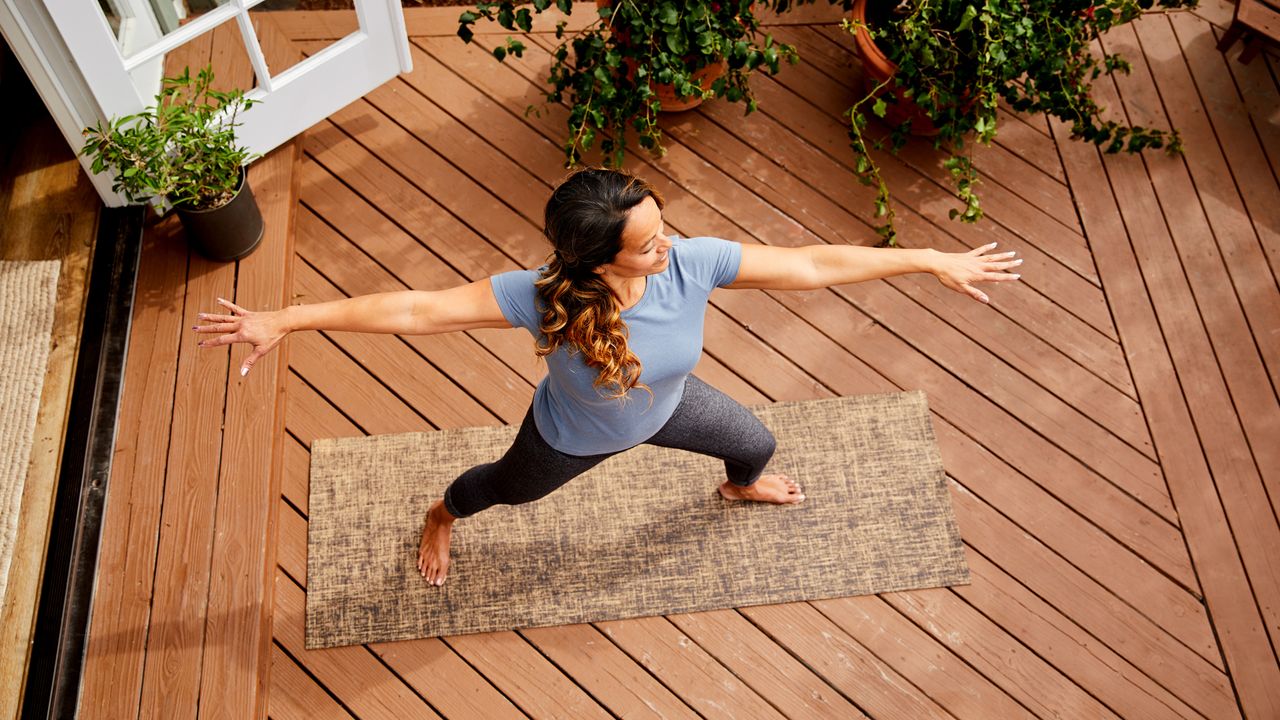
(163, 495)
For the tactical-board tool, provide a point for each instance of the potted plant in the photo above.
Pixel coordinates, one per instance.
(640, 58)
(937, 68)
(182, 153)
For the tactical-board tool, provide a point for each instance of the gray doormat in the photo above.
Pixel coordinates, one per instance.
(644, 533)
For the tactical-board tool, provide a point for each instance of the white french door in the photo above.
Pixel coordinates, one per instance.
(120, 48)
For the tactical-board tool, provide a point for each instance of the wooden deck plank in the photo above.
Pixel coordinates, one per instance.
(350, 387)
(460, 246)
(614, 679)
(1236, 618)
(295, 695)
(684, 667)
(1041, 313)
(1243, 153)
(237, 644)
(115, 649)
(786, 683)
(171, 679)
(1060, 285)
(843, 662)
(949, 681)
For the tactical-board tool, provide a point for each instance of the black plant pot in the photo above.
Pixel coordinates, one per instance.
(225, 233)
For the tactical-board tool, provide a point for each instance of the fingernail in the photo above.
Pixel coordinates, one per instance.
(1016, 276)
(1018, 261)
(244, 371)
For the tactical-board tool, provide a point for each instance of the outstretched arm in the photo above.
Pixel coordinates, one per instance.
(409, 312)
(818, 266)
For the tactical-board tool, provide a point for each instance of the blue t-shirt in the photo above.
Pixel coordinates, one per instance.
(664, 332)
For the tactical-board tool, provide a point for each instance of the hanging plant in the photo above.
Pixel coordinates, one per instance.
(949, 61)
(613, 71)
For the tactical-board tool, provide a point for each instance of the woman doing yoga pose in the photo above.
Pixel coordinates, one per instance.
(618, 313)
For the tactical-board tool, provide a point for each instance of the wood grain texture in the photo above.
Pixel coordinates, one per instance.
(237, 644)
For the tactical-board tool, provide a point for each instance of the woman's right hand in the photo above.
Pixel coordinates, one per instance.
(262, 330)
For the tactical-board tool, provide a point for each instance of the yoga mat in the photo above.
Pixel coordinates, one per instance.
(644, 533)
(28, 293)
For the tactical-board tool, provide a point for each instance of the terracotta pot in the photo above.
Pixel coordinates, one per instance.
(228, 232)
(704, 76)
(666, 92)
(876, 69)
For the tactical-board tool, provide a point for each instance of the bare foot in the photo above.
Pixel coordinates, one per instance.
(778, 489)
(433, 551)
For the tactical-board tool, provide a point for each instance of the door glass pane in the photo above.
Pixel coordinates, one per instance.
(288, 38)
(222, 48)
(137, 24)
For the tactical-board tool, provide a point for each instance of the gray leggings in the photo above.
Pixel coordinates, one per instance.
(706, 421)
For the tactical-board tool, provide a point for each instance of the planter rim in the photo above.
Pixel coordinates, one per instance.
(865, 40)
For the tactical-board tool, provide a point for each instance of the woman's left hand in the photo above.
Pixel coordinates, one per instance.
(959, 271)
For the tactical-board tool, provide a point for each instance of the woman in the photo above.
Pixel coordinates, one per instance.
(617, 312)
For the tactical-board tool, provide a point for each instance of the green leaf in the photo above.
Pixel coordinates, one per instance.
(967, 18)
(880, 108)
(676, 43)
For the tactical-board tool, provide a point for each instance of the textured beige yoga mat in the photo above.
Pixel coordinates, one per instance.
(28, 293)
(644, 533)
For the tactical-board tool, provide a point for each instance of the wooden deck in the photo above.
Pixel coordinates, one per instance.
(1108, 425)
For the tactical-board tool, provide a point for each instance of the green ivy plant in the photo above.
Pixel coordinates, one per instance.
(181, 150)
(605, 70)
(956, 58)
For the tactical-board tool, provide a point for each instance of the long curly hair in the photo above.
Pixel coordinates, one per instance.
(584, 221)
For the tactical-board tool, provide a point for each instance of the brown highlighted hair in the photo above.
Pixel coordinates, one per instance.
(584, 221)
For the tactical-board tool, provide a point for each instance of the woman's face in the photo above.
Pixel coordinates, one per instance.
(644, 244)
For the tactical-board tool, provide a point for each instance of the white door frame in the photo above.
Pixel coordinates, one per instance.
(75, 64)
